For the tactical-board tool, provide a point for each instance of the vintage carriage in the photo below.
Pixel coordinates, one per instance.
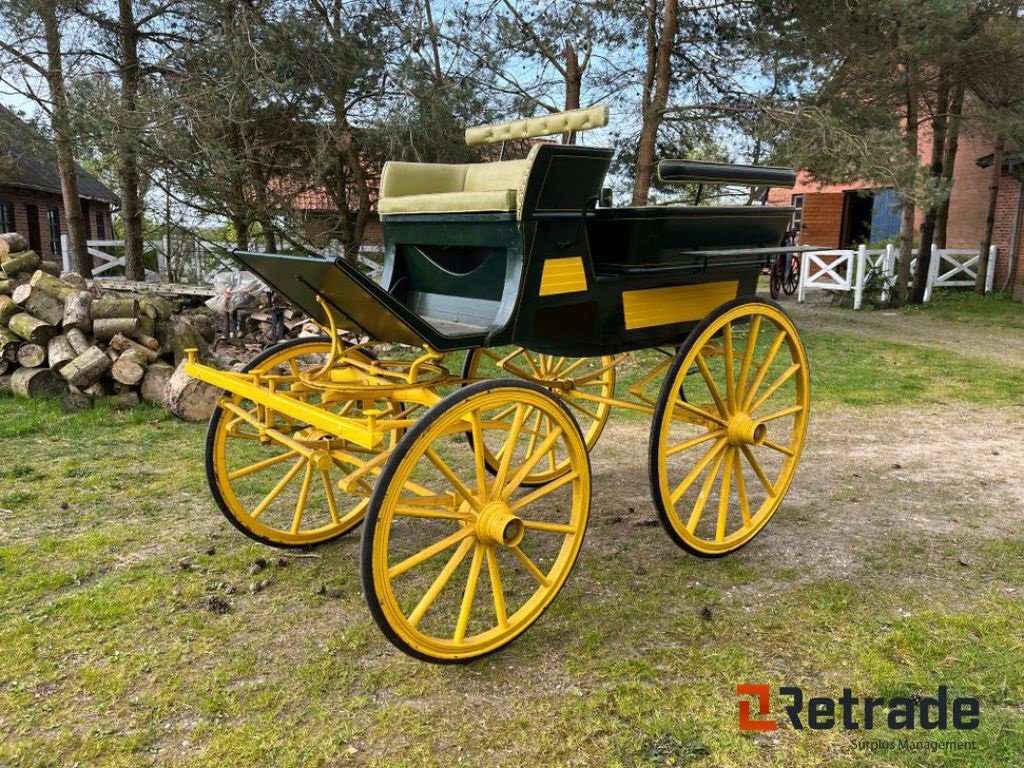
(474, 488)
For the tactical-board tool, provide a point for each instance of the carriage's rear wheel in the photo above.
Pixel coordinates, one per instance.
(456, 562)
(729, 427)
(585, 384)
(283, 491)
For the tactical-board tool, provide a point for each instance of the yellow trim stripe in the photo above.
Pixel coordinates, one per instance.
(563, 276)
(676, 304)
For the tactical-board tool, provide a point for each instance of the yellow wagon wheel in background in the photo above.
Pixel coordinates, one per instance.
(585, 384)
(729, 427)
(456, 562)
(282, 490)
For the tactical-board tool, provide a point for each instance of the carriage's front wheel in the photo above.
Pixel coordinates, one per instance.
(729, 427)
(456, 562)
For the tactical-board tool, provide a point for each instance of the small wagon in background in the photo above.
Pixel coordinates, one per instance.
(474, 486)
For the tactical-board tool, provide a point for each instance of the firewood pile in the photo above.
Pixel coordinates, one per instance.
(59, 337)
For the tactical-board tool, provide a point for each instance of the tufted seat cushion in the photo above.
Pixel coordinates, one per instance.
(449, 188)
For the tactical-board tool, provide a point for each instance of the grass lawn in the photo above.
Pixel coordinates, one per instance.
(129, 634)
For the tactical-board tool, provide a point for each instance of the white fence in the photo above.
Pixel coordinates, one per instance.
(849, 270)
(188, 260)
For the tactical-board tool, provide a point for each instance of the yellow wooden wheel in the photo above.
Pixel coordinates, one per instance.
(729, 427)
(282, 490)
(456, 562)
(585, 384)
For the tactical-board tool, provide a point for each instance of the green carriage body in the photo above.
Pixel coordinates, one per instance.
(558, 275)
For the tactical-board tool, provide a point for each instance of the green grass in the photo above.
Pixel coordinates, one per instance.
(997, 310)
(112, 555)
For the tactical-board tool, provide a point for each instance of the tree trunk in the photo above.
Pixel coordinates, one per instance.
(60, 120)
(939, 125)
(573, 86)
(990, 212)
(128, 155)
(902, 291)
(658, 77)
(956, 108)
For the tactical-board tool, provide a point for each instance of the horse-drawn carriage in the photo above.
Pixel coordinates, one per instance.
(474, 488)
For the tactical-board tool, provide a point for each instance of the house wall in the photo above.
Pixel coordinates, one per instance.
(822, 219)
(22, 198)
(1002, 231)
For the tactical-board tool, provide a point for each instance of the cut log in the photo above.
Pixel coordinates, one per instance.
(51, 268)
(78, 311)
(103, 309)
(107, 328)
(120, 402)
(205, 325)
(32, 355)
(8, 309)
(87, 368)
(75, 280)
(36, 382)
(147, 326)
(74, 401)
(184, 335)
(50, 284)
(9, 343)
(127, 369)
(154, 384)
(99, 389)
(5, 365)
(147, 341)
(156, 307)
(113, 354)
(12, 242)
(5, 385)
(121, 343)
(32, 328)
(60, 352)
(79, 341)
(190, 399)
(15, 263)
(39, 303)
(6, 287)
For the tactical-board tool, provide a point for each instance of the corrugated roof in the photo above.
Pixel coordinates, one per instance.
(32, 164)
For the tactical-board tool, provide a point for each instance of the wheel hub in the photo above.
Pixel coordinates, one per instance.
(743, 430)
(497, 525)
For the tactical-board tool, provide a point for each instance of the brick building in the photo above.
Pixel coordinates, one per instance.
(30, 194)
(846, 215)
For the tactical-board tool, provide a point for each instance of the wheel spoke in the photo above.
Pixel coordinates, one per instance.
(497, 590)
(530, 362)
(544, 490)
(259, 465)
(741, 488)
(531, 462)
(552, 464)
(780, 448)
(782, 379)
(434, 549)
(730, 374)
(700, 412)
(575, 366)
(332, 504)
(756, 466)
(479, 451)
(782, 414)
(430, 513)
(276, 490)
(708, 457)
(762, 369)
(748, 356)
(457, 484)
(724, 494)
(705, 373)
(705, 492)
(300, 504)
(540, 525)
(530, 566)
(534, 434)
(470, 594)
(687, 444)
(439, 583)
(509, 448)
(571, 401)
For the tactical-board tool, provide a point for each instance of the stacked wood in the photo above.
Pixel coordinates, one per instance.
(61, 336)
(12, 242)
